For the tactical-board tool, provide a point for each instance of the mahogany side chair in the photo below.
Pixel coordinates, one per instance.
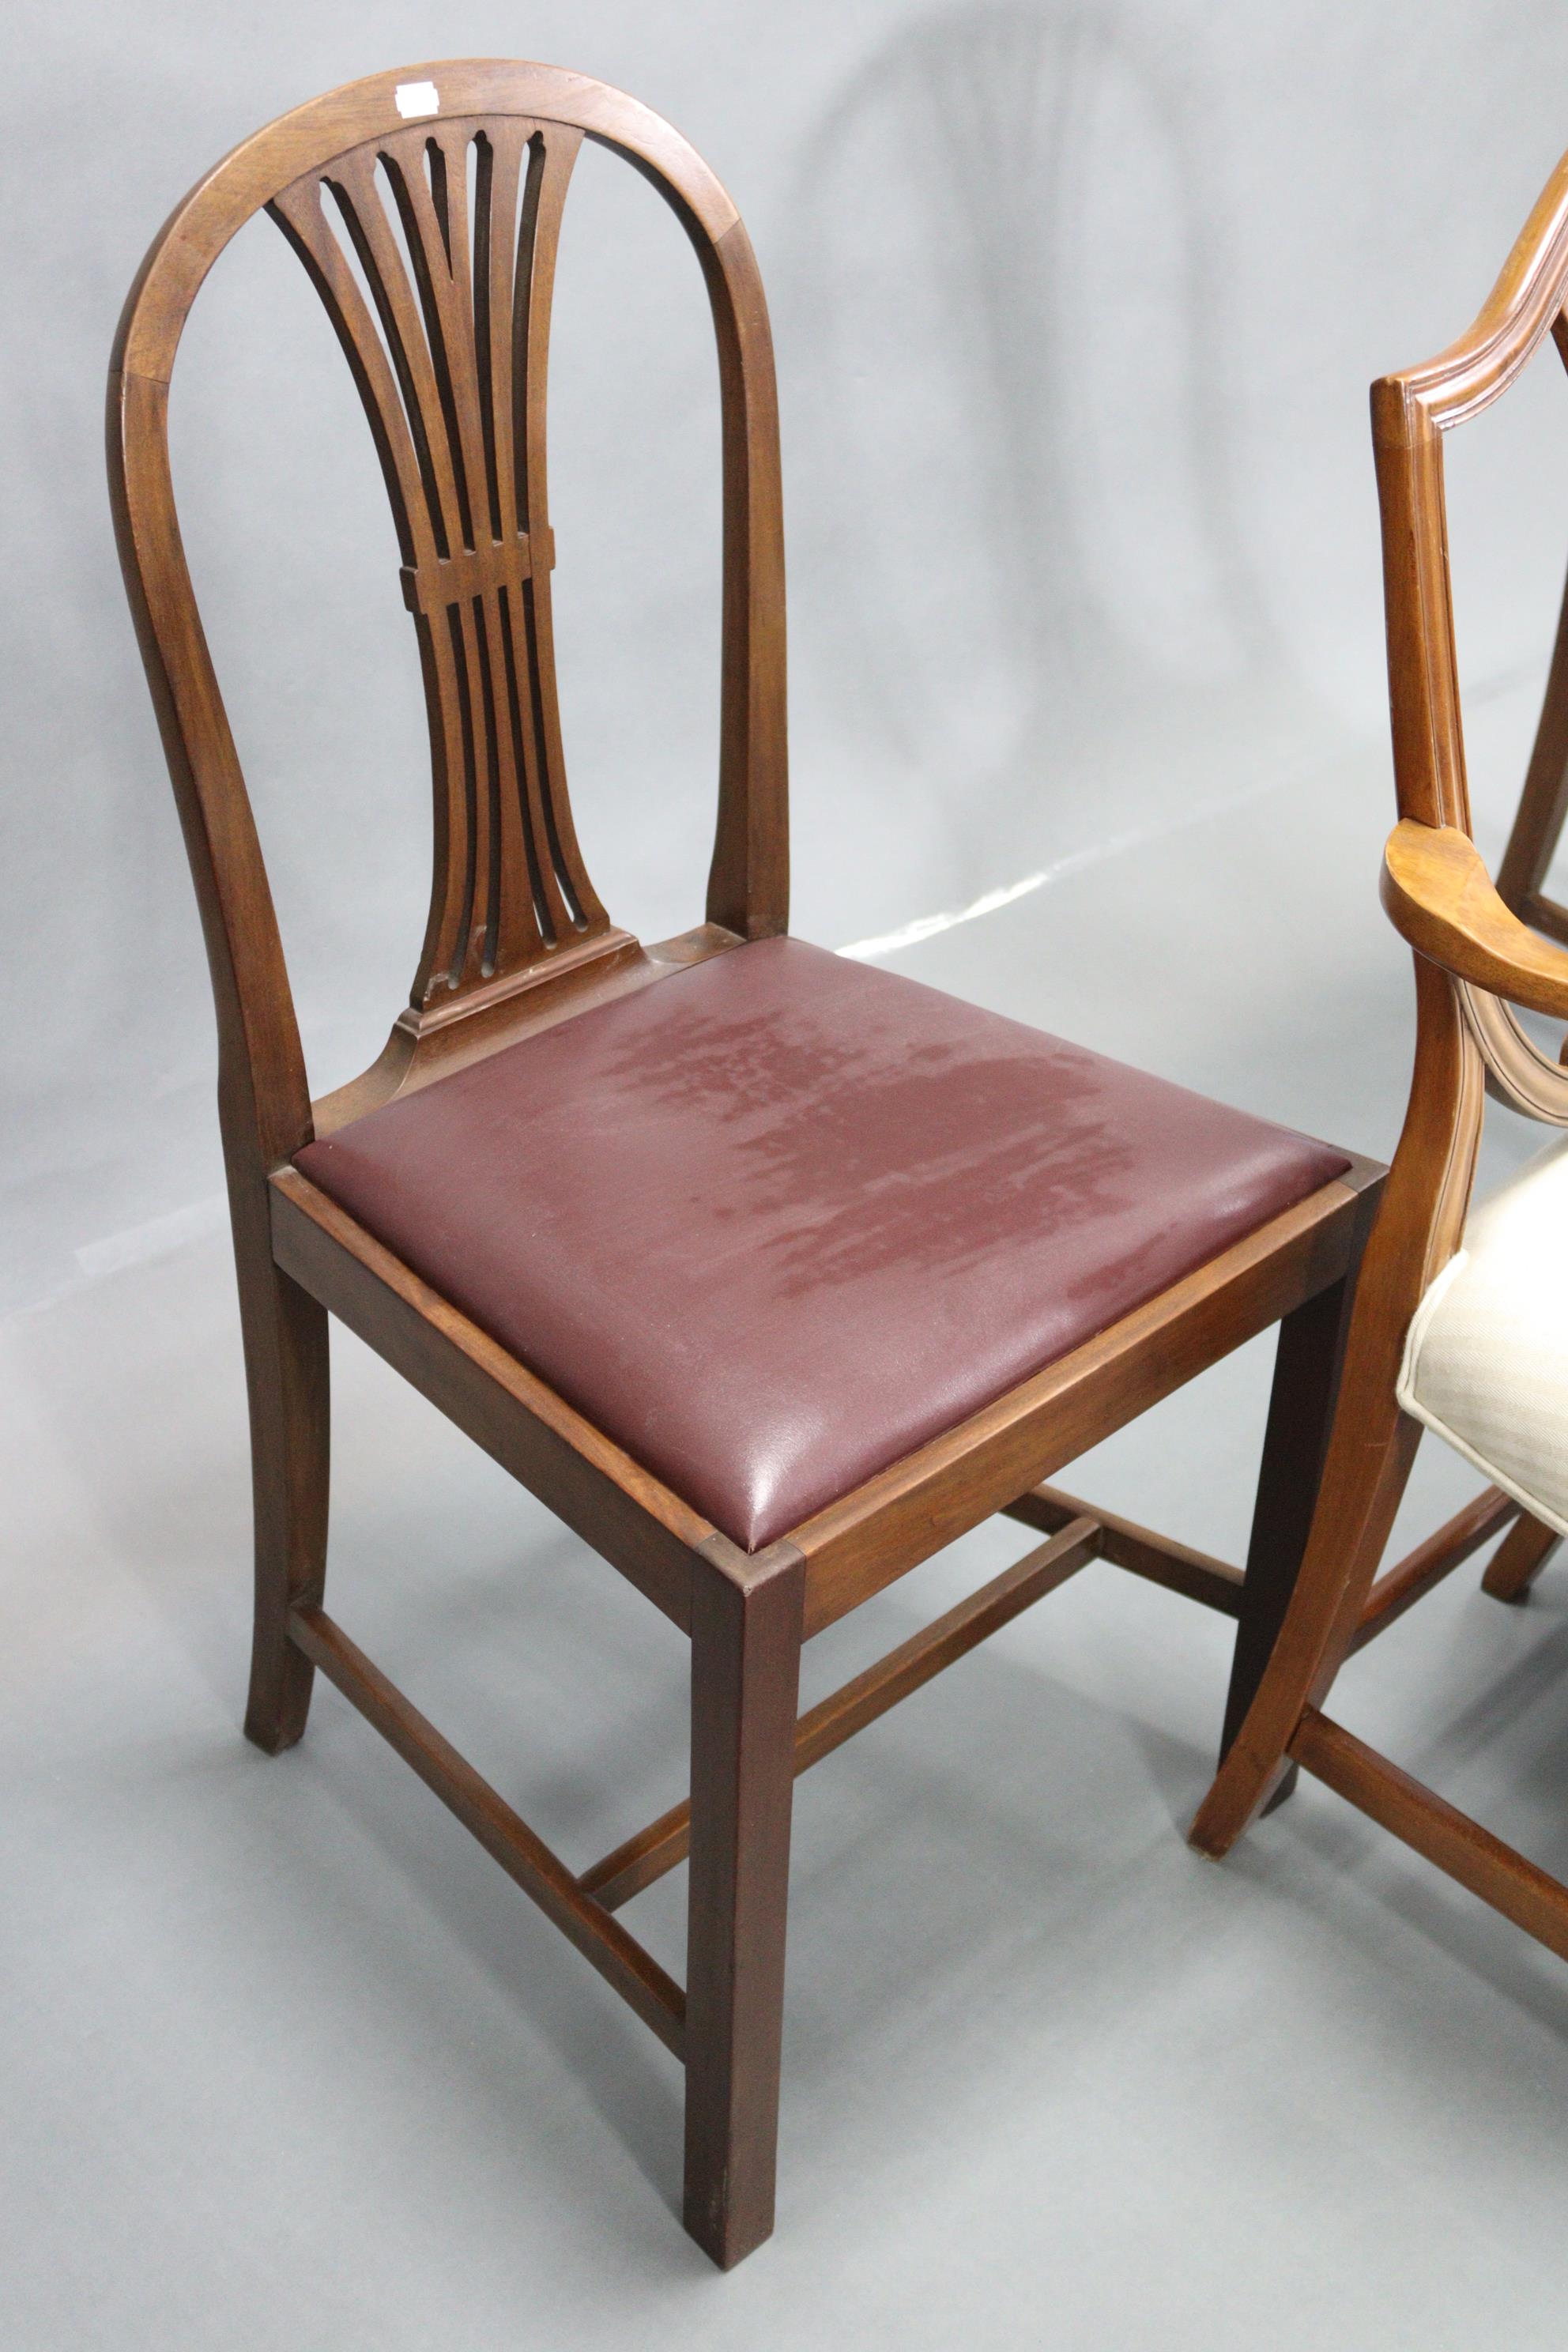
(1462, 1320)
(769, 1272)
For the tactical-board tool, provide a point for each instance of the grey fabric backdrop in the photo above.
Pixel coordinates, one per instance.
(1075, 314)
(1075, 311)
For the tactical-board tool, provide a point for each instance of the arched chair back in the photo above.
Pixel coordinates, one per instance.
(427, 207)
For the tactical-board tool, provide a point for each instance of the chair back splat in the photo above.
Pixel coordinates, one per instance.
(451, 369)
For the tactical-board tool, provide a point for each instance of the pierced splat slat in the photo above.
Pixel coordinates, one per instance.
(450, 353)
(498, 169)
(437, 235)
(516, 924)
(544, 194)
(351, 185)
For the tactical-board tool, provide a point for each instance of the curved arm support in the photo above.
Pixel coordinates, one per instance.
(1439, 896)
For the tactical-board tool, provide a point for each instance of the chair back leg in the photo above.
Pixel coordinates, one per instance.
(1520, 1559)
(286, 1371)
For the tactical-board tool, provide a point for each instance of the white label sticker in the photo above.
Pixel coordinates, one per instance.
(416, 98)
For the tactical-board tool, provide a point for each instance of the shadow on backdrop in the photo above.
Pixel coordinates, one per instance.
(1038, 592)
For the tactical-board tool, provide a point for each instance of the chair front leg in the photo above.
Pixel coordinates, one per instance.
(1371, 1444)
(1301, 1415)
(746, 1617)
(1369, 1456)
(1307, 1366)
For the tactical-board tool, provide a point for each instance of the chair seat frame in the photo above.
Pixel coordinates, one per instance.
(528, 947)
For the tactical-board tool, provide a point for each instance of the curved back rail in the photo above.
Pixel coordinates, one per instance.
(425, 205)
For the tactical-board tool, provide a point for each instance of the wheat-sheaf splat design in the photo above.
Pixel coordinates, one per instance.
(444, 313)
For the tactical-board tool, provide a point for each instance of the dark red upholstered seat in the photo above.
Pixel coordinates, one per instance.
(779, 1219)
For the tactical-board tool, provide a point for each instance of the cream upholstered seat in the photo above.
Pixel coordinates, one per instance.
(1486, 1361)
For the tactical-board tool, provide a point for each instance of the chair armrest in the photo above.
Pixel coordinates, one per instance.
(1439, 896)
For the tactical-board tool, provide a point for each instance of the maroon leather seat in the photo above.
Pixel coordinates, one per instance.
(776, 1220)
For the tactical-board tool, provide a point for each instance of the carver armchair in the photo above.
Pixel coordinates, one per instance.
(1461, 1325)
(770, 1273)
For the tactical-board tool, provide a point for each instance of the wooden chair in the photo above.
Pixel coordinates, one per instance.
(769, 1272)
(1457, 1329)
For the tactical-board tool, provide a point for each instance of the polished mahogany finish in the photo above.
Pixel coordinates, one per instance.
(770, 1276)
